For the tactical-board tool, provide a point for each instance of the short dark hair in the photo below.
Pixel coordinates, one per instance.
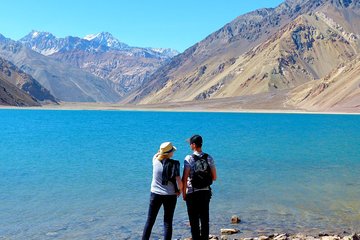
(197, 139)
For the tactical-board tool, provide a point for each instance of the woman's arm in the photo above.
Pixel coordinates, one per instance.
(179, 184)
(185, 176)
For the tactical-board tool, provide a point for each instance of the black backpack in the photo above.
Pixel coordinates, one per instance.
(171, 169)
(201, 177)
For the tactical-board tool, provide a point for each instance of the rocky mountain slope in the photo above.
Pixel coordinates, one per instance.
(65, 82)
(25, 82)
(102, 55)
(10, 95)
(339, 90)
(266, 51)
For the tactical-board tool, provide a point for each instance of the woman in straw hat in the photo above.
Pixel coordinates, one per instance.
(166, 186)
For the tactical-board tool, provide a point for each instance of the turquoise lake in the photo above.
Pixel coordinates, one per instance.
(87, 174)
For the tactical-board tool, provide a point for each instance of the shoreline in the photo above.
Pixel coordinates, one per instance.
(286, 236)
(170, 108)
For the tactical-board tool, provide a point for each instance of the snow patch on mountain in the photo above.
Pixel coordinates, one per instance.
(90, 37)
(165, 51)
(35, 34)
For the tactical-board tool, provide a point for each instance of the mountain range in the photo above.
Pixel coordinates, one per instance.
(102, 55)
(64, 81)
(299, 55)
(96, 68)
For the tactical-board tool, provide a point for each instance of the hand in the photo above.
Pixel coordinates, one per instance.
(184, 196)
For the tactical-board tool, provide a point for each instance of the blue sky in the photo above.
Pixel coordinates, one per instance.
(143, 23)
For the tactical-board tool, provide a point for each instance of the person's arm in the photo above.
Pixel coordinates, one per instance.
(185, 176)
(179, 184)
(212, 168)
(213, 173)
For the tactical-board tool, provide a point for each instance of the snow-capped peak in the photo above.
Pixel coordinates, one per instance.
(100, 37)
(48, 44)
(35, 34)
(39, 34)
(91, 36)
(106, 39)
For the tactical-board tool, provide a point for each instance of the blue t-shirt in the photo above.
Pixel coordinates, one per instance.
(189, 163)
(156, 184)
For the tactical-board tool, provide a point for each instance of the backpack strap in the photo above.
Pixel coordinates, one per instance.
(204, 156)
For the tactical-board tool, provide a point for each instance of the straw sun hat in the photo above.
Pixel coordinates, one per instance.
(165, 149)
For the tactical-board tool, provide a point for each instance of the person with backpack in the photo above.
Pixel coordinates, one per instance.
(199, 173)
(166, 186)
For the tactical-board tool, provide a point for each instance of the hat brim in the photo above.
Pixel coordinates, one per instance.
(166, 153)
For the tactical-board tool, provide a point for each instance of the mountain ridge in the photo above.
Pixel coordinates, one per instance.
(103, 56)
(47, 44)
(214, 67)
(244, 33)
(64, 81)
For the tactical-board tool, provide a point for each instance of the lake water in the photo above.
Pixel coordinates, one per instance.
(87, 174)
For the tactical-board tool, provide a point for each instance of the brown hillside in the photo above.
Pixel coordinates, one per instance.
(268, 51)
(308, 48)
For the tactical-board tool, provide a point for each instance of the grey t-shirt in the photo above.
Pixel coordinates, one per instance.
(156, 184)
(189, 163)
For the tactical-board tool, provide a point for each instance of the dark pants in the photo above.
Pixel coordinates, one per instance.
(156, 200)
(198, 210)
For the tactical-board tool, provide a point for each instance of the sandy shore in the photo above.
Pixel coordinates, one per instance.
(177, 107)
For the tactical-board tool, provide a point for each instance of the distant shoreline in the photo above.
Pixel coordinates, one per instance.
(170, 108)
(160, 109)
